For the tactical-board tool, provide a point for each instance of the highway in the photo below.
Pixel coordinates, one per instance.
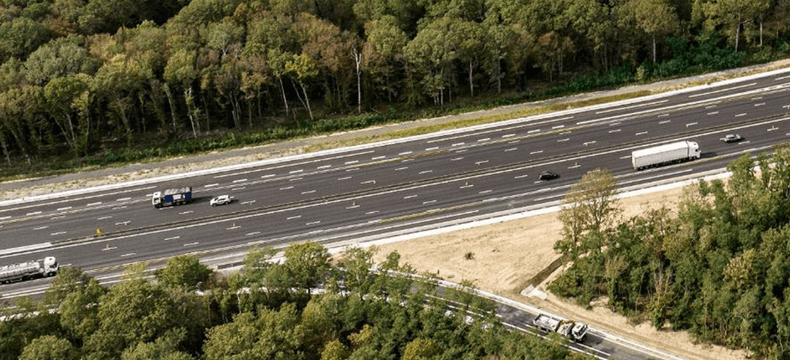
(368, 192)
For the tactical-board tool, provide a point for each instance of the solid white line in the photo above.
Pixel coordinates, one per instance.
(124, 199)
(632, 106)
(210, 185)
(722, 90)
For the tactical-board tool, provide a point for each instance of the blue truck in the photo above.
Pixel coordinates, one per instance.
(172, 197)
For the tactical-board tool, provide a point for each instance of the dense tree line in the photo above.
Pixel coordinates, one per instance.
(718, 268)
(269, 310)
(80, 76)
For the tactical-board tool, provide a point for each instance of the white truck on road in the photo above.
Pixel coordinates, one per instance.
(665, 154)
(172, 197)
(575, 331)
(29, 270)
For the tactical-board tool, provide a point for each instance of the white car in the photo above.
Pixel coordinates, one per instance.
(220, 200)
(729, 138)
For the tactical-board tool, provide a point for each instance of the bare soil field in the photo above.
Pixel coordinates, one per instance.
(508, 255)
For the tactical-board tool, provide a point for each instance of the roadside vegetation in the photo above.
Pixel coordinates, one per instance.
(93, 83)
(269, 310)
(717, 268)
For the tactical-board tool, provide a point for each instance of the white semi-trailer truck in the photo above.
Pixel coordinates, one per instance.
(29, 270)
(573, 330)
(665, 154)
(172, 197)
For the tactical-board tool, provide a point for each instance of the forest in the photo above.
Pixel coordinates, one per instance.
(268, 310)
(717, 267)
(92, 82)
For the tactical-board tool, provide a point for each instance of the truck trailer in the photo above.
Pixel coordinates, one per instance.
(29, 270)
(172, 197)
(572, 330)
(665, 154)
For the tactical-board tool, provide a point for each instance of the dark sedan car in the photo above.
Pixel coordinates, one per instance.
(548, 175)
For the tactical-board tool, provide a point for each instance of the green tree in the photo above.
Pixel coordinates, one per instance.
(654, 17)
(421, 349)
(184, 272)
(49, 347)
(307, 264)
(164, 348)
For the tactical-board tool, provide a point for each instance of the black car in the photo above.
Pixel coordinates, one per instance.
(548, 175)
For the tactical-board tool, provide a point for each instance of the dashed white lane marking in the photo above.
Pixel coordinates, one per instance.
(253, 201)
(466, 186)
(293, 217)
(57, 233)
(305, 192)
(631, 107)
(5, 217)
(783, 77)
(722, 90)
(625, 157)
(371, 212)
(296, 179)
(508, 135)
(404, 153)
(663, 115)
(173, 238)
(41, 227)
(313, 223)
(713, 113)
(238, 188)
(33, 213)
(119, 207)
(233, 227)
(457, 144)
(614, 131)
(576, 165)
(432, 148)
(589, 142)
(104, 218)
(557, 127)
(329, 166)
(428, 202)
(520, 176)
(57, 217)
(691, 124)
(94, 204)
(211, 185)
(239, 180)
(123, 222)
(267, 176)
(757, 98)
(425, 172)
(563, 140)
(368, 182)
(186, 212)
(252, 233)
(739, 115)
(341, 179)
(514, 142)
(295, 171)
(456, 159)
(485, 192)
(565, 133)
(615, 123)
(124, 199)
(772, 128)
(402, 168)
(64, 208)
(511, 149)
(483, 139)
(409, 197)
(536, 152)
(108, 248)
(533, 131)
(191, 244)
(287, 188)
(710, 106)
(760, 104)
(481, 162)
(351, 162)
(664, 122)
(641, 133)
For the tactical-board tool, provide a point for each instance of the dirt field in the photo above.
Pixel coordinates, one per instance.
(508, 255)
